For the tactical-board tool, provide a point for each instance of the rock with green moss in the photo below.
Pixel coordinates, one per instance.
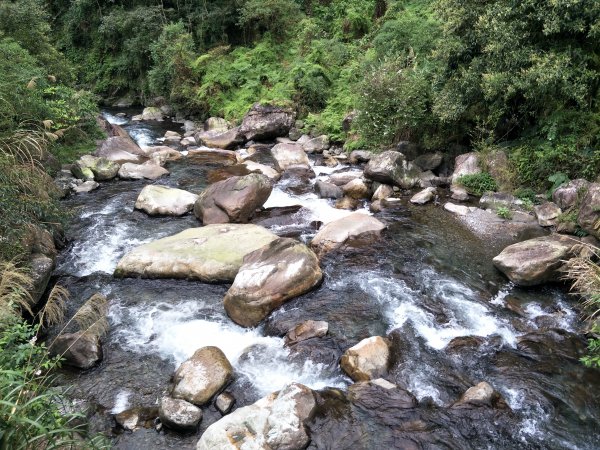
(90, 167)
(213, 253)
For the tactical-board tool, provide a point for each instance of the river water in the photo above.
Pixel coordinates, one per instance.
(428, 284)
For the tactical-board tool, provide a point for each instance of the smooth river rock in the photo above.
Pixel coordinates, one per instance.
(213, 253)
(163, 200)
(277, 272)
(233, 200)
(275, 422)
(148, 171)
(535, 261)
(220, 139)
(79, 350)
(288, 155)
(121, 149)
(202, 156)
(179, 415)
(306, 330)
(425, 196)
(199, 378)
(367, 360)
(355, 229)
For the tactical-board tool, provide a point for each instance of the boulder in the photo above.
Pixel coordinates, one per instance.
(535, 261)
(459, 210)
(425, 196)
(135, 418)
(78, 350)
(367, 360)
(287, 155)
(570, 193)
(148, 171)
(429, 161)
(589, 211)
(213, 253)
(268, 171)
(202, 156)
(355, 229)
(266, 122)
(87, 186)
(306, 330)
(233, 200)
(152, 113)
(342, 178)
(294, 134)
(547, 213)
(163, 200)
(187, 141)
(90, 167)
(161, 154)
(494, 200)
(275, 422)
(42, 266)
(482, 394)
(199, 378)
(328, 190)
(391, 167)
(427, 179)
(382, 192)
(216, 124)
(357, 189)
(220, 139)
(224, 402)
(498, 166)
(179, 415)
(347, 203)
(360, 156)
(271, 275)
(459, 193)
(380, 393)
(316, 145)
(465, 164)
(121, 150)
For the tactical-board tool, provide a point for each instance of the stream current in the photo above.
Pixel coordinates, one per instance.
(428, 284)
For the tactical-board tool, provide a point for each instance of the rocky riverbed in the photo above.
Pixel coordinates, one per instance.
(438, 349)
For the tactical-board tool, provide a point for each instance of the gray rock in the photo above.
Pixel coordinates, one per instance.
(466, 164)
(271, 275)
(482, 394)
(328, 190)
(425, 196)
(217, 124)
(199, 378)
(360, 156)
(347, 203)
(547, 213)
(306, 330)
(152, 113)
(121, 149)
(266, 122)
(224, 402)
(494, 200)
(287, 155)
(203, 156)
(179, 415)
(391, 167)
(342, 178)
(570, 193)
(164, 200)
(589, 211)
(429, 161)
(220, 139)
(357, 189)
(317, 144)
(79, 350)
(87, 186)
(149, 171)
(382, 192)
(42, 266)
(459, 193)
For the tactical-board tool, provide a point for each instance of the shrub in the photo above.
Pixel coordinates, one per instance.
(504, 212)
(478, 183)
(276, 16)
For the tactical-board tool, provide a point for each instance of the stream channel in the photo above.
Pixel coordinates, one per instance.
(428, 284)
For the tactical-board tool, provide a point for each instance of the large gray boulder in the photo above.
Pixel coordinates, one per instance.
(391, 167)
(199, 378)
(79, 350)
(235, 199)
(289, 155)
(179, 415)
(466, 164)
(429, 161)
(355, 229)
(589, 211)
(163, 200)
(367, 360)
(220, 139)
(213, 253)
(275, 422)
(121, 149)
(148, 171)
(570, 193)
(535, 261)
(316, 145)
(266, 122)
(273, 274)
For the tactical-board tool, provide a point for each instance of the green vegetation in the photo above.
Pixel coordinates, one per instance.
(504, 212)
(478, 184)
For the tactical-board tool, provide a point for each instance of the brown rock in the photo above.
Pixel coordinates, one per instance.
(367, 360)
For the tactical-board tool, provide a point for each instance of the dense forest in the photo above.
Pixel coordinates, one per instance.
(448, 75)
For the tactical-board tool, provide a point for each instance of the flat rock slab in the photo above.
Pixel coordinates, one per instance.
(279, 271)
(535, 261)
(202, 156)
(356, 228)
(164, 200)
(213, 253)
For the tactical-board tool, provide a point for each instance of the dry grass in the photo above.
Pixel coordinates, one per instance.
(584, 271)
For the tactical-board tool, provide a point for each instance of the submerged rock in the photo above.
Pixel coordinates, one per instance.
(482, 394)
(367, 360)
(535, 261)
(213, 253)
(164, 200)
(135, 418)
(179, 415)
(233, 200)
(380, 393)
(79, 350)
(273, 274)
(355, 229)
(306, 330)
(267, 122)
(275, 422)
(199, 378)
